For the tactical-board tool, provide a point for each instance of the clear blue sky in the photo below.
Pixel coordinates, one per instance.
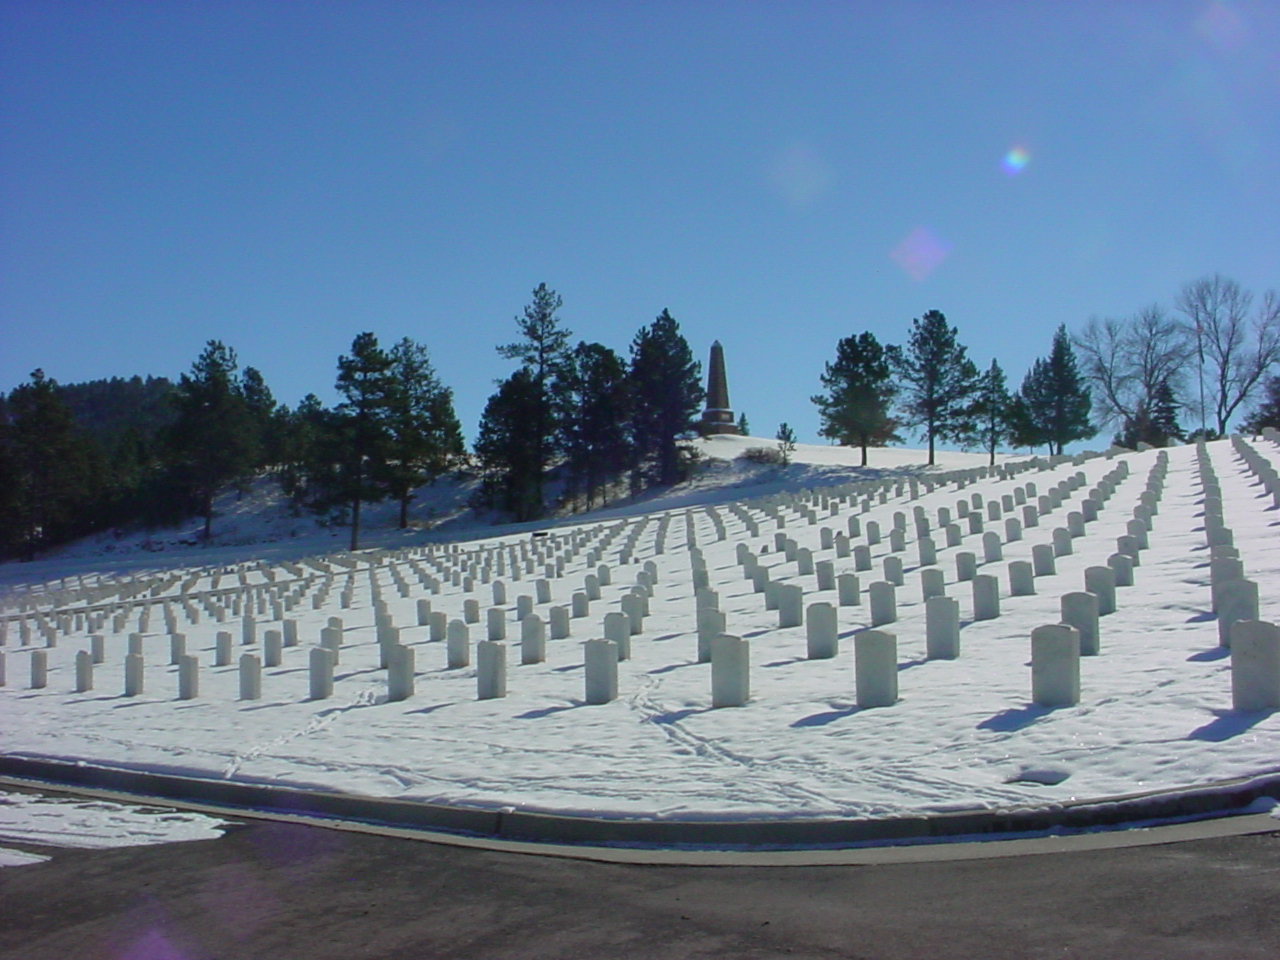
(281, 176)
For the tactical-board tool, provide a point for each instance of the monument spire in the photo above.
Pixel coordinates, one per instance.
(717, 417)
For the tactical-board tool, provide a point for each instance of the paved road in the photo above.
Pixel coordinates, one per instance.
(279, 890)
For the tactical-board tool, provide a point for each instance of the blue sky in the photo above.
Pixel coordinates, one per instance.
(282, 176)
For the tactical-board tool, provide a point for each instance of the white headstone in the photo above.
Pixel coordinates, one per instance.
(1055, 665)
(875, 655)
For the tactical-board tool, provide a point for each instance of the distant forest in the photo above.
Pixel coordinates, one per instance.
(81, 458)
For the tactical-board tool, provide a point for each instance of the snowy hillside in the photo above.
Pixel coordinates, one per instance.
(1155, 708)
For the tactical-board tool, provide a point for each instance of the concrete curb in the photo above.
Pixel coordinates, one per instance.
(1221, 799)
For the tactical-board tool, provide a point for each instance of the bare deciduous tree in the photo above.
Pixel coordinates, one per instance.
(1128, 360)
(1234, 352)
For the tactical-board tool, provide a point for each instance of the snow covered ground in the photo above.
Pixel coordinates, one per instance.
(92, 824)
(1155, 709)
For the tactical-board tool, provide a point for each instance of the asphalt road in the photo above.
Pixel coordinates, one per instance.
(281, 891)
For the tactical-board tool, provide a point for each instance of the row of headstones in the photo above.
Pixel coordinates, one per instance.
(869, 491)
(942, 613)
(396, 658)
(136, 587)
(1079, 609)
(1233, 598)
(788, 598)
(1260, 467)
(601, 655)
(970, 509)
(863, 495)
(1255, 665)
(754, 513)
(219, 605)
(274, 643)
(926, 547)
(30, 600)
(1055, 664)
(1056, 649)
(821, 623)
(219, 611)
(156, 586)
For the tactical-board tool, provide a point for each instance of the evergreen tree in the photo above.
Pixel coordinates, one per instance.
(859, 392)
(211, 442)
(263, 417)
(1268, 412)
(11, 538)
(667, 394)
(510, 460)
(593, 411)
(993, 410)
(108, 409)
(1023, 432)
(425, 436)
(45, 467)
(1154, 423)
(368, 388)
(1164, 417)
(542, 351)
(941, 382)
(1056, 401)
(1028, 418)
(786, 438)
(744, 427)
(304, 465)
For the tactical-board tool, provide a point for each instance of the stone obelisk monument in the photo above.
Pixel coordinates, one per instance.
(717, 417)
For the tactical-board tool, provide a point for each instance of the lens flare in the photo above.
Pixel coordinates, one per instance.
(1222, 27)
(921, 253)
(1015, 160)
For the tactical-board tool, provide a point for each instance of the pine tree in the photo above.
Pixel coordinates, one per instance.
(1268, 412)
(1164, 417)
(509, 457)
(367, 386)
(211, 442)
(263, 416)
(542, 352)
(667, 394)
(593, 410)
(993, 410)
(786, 438)
(941, 382)
(860, 390)
(305, 465)
(1023, 432)
(11, 527)
(1057, 402)
(744, 428)
(46, 466)
(425, 436)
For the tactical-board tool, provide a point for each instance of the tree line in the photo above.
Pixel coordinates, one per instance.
(873, 390)
(604, 419)
(1140, 374)
(579, 424)
(84, 458)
